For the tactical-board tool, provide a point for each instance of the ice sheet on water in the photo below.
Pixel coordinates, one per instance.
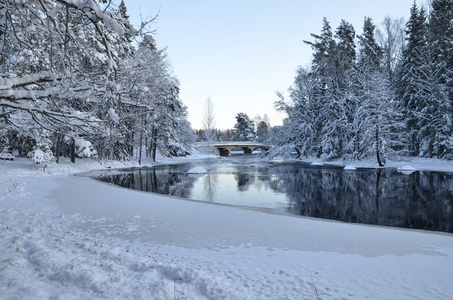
(407, 169)
(197, 170)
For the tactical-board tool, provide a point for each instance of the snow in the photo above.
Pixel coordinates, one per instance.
(39, 156)
(413, 163)
(84, 148)
(349, 167)
(112, 114)
(87, 5)
(406, 169)
(8, 83)
(197, 170)
(71, 237)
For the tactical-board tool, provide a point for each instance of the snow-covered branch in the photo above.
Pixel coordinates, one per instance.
(22, 81)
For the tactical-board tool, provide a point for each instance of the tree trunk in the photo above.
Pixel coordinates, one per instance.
(431, 143)
(154, 145)
(141, 143)
(57, 149)
(380, 160)
(357, 145)
(154, 150)
(100, 148)
(131, 146)
(73, 151)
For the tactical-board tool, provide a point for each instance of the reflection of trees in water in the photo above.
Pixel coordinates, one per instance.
(245, 176)
(210, 187)
(160, 181)
(244, 180)
(421, 200)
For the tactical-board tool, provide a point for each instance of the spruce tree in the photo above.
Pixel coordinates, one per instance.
(441, 36)
(302, 131)
(410, 75)
(262, 131)
(345, 106)
(322, 73)
(435, 83)
(377, 119)
(370, 55)
(244, 128)
(328, 74)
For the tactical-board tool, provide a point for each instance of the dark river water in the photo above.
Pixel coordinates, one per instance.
(420, 200)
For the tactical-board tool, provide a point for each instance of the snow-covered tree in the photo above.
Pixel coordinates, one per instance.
(244, 128)
(58, 58)
(410, 67)
(67, 67)
(172, 134)
(377, 120)
(262, 131)
(391, 39)
(153, 115)
(303, 129)
(395, 96)
(333, 69)
(325, 89)
(436, 83)
(209, 121)
(434, 116)
(441, 38)
(425, 80)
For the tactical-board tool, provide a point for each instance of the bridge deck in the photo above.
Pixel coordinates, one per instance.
(247, 147)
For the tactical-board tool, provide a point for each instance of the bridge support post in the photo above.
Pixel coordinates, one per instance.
(247, 150)
(224, 151)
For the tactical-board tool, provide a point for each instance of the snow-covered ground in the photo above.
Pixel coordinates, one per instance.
(70, 237)
(413, 163)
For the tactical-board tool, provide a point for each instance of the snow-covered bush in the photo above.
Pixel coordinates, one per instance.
(42, 152)
(84, 148)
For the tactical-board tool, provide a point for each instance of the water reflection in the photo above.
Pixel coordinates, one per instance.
(161, 181)
(421, 200)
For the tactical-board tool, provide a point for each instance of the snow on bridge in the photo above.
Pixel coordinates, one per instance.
(248, 147)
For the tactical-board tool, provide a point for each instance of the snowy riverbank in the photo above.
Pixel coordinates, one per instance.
(420, 164)
(69, 237)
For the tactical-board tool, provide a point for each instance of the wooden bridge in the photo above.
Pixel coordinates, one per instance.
(247, 147)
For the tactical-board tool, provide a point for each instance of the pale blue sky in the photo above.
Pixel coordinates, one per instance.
(240, 52)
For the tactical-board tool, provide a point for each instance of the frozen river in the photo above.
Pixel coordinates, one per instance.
(419, 200)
